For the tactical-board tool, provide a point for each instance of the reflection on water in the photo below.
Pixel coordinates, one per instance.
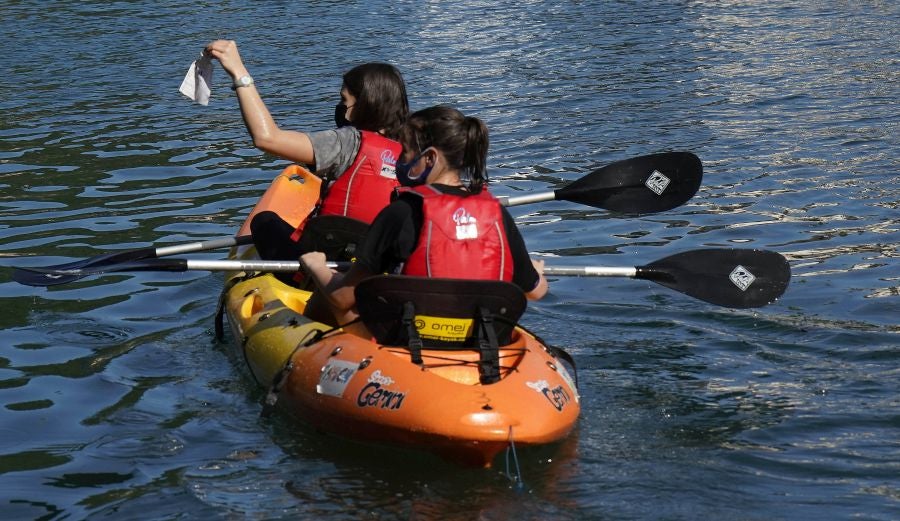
(116, 400)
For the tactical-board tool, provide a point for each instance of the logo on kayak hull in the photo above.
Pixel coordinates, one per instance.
(558, 397)
(335, 376)
(376, 394)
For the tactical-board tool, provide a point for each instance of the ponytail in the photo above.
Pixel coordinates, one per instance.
(463, 140)
(474, 170)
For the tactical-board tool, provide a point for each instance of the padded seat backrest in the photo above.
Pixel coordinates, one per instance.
(336, 236)
(446, 310)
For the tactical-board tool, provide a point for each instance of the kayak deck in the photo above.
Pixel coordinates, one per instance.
(358, 388)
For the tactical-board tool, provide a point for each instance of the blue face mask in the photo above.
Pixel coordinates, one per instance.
(403, 169)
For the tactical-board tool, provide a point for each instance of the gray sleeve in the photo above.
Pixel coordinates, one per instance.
(335, 150)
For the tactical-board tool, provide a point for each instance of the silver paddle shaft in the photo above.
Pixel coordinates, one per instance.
(291, 266)
(247, 265)
(190, 247)
(527, 199)
(590, 271)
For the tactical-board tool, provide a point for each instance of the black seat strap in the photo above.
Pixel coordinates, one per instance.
(489, 350)
(415, 341)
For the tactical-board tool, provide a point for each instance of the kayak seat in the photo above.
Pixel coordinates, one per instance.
(438, 313)
(338, 237)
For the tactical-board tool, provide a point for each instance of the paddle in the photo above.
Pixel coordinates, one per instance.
(126, 256)
(726, 277)
(646, 184)
(51, 276)
(734, 278)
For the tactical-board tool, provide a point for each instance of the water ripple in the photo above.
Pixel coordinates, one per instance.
(115, 401)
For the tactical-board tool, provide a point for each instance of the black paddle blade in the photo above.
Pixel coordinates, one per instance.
(125, 260)
(72, 271)
(728, 277)
(646, 184)
(138, 254)
(104, 259)
(57, 275)
(36, 277)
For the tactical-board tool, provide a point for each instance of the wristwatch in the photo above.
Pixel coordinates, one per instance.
(243, 81)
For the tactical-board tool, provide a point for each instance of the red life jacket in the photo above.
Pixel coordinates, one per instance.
(461, 237)
(365, 188)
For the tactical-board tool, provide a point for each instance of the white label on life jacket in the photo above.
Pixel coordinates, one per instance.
(388, 165)
(465, 224)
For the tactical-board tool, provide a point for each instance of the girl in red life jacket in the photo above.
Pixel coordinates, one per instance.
(357, 159)
(443, 223)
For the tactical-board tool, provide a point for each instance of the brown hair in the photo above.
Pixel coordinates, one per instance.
(380, 94)
(463, 140)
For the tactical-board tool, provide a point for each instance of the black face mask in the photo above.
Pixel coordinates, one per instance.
(340, 116)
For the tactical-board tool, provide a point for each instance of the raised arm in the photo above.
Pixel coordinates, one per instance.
(267, 136)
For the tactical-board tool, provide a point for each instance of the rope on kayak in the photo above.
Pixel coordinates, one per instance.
(281, 376)
(511, 450)
(432, 360)
(557, 352)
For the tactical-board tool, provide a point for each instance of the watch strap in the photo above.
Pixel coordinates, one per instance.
(243, 81)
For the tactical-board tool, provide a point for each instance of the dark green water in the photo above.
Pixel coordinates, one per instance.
(117, 402)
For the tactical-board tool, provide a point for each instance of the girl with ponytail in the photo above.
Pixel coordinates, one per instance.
(444, 223)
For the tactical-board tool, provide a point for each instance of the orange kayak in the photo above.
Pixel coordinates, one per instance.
(432, 397)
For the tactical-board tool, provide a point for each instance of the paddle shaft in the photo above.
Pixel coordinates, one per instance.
(253, 265)
(293, 266)
(213, 244)
(590, 271)
(527, 199)
(201, 265)
(635, 272)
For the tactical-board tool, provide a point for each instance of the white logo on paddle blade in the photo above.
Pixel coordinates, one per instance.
(741, 277)
(657, 182)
